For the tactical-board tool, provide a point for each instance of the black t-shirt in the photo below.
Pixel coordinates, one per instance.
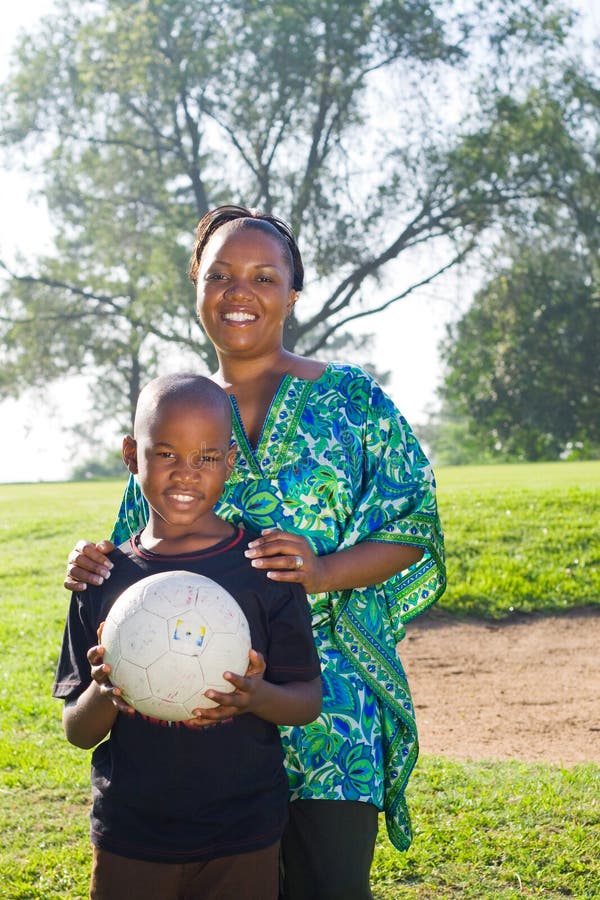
(163, 791)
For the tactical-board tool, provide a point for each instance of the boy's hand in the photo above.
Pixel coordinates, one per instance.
(87, 564)
(100, 674)
(244, 699)
(288, 557)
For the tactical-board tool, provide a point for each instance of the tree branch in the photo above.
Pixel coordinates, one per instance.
(61, 285)
(322, 340)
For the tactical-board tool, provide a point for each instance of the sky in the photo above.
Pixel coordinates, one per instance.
(42, 445)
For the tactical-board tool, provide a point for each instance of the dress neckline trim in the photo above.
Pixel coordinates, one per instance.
(278, 428)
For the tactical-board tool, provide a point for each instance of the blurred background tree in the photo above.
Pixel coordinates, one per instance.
(521, 376)
(522, 363)
(420, 131)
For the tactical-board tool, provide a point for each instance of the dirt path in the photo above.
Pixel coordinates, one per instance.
(528, 689)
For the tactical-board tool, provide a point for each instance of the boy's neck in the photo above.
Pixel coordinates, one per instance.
(171, 540)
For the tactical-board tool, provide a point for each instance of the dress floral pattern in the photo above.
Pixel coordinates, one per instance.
(337, 463)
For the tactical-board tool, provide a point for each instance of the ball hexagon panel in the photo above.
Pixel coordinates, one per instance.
(225, 654)
(224, 616)
(120, 611)
(143, 636)
(110, 640)
(133, 681)
(163, 709)
(168, 598)
(175, 677)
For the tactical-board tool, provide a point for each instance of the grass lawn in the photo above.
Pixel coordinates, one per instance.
(482, 830)
(521, 537)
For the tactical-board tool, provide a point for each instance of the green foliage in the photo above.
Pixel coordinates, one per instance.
(521, 361)
(139, 116)
(454, 441)
(106, 465)
(482, 831)
(520, 376)
(521, 538)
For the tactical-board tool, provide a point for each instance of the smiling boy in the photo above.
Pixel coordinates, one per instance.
(185, 810)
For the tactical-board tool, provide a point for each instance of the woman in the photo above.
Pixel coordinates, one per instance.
(331, 474)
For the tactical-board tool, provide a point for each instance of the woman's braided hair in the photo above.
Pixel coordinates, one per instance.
(273, 225)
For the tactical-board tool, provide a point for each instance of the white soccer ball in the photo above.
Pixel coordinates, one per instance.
(169, 638)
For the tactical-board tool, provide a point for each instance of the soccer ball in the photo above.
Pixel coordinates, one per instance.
(169, 638)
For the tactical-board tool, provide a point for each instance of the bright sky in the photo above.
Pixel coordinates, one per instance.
(42, 449)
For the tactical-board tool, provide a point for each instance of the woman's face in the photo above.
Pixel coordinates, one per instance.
(244, 291)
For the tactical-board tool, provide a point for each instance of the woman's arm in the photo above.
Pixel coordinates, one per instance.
(288, 557)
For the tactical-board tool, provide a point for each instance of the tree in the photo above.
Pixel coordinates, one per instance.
(144, 114)
(108, 465)
(521, 363)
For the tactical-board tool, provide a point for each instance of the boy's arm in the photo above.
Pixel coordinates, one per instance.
(292, 703)
(80, 675)
(89, 718)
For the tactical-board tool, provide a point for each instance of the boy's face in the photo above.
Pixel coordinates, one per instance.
(182, 457)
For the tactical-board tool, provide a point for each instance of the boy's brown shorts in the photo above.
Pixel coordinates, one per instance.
(251, 876)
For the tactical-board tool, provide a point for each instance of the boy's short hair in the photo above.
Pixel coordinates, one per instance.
(186, 386)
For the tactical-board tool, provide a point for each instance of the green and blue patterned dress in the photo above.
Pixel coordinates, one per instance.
(337, 463)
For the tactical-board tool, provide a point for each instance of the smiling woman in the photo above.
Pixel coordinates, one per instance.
(247, 283)
(331, 474)
(244, 280)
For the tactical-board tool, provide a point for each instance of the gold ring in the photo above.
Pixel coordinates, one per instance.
(299, 562)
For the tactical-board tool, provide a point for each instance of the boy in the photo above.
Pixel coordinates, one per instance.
(182, 810)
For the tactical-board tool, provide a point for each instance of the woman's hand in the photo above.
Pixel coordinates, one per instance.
(242, 699)
(87, 564)
(288, 557)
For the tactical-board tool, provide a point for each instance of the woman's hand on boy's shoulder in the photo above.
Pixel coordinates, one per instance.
(288, 557)
(88, 564)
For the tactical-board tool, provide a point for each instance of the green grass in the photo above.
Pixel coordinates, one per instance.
(496, 830)
(521, 538)
(482, 830)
